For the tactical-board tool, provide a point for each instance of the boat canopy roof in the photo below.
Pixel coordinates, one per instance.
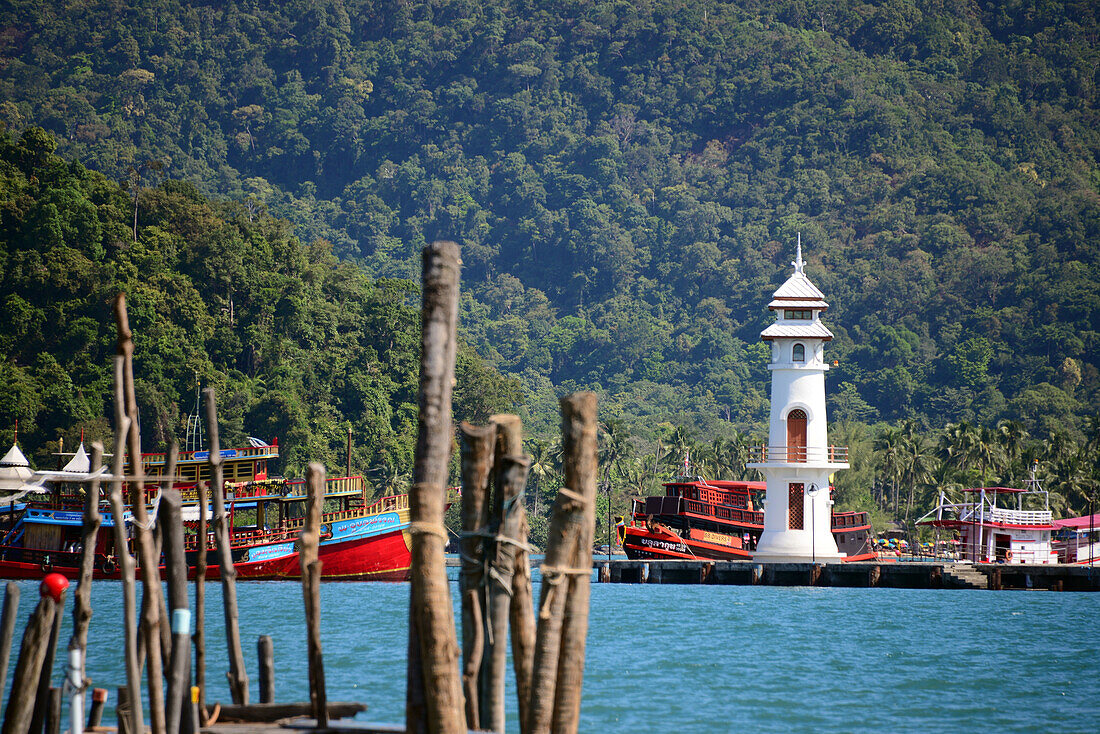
(997, 490)
(1079, 523)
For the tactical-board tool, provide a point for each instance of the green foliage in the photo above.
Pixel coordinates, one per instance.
(298, 345)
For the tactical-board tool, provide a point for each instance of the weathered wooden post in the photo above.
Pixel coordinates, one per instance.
(53, 706)
(434, 699)
(135, 721)
(42, 699)
(574, 507)
(95, 711)
(510, 477)
(265, 651)
(522, 615)
(179, 665)
(150, 576)
(7, 629)
(82, 597)
(199, 637)
(581, 473)
(238, 676)
(32, 653)
(310, 565)
(477, 463)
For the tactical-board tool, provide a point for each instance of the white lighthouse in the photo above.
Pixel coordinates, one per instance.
(798, 460)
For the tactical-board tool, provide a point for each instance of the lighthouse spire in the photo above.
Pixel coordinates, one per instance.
(799, 265)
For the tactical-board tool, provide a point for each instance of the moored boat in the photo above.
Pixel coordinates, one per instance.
(999, 524)
(360, 540)
(717, 519)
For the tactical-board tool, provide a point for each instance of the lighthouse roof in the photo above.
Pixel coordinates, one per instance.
(798, 291)
(806, 330)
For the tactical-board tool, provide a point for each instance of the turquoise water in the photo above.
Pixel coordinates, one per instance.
(706, 658)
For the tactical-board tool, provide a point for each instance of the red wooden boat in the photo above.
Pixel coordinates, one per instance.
(359, 540)
(718, 520)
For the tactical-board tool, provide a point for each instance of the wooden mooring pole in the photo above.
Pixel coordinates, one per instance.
(571, 523)
(150, 566)
(123, 559)
(32, 654)
(581, 473)
(434, 699)
(477, 463)
(7, 629)
(82, 597)
(198, 693)
(310, 564)
(238, 675)
(509, 479)
(179, 665)
(265, 652)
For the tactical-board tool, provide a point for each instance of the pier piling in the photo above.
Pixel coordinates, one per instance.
(477, 461)
(265, 652)
(310, 564)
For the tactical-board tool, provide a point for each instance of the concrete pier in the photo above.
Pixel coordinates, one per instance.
(930, 575)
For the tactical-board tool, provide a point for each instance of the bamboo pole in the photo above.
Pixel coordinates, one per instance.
(171, 527)
(521, 612)
(581, 473)
(310, 563)
(124, 559)
(433, 663)
(199, 637)
(28, 666)
(7, 629)
(566, 532)
(150, 567)
(477, 463)
(238, 676)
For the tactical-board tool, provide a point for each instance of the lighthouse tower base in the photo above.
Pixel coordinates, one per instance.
(797, 518)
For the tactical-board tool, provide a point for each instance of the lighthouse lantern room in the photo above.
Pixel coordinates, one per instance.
(798, 461)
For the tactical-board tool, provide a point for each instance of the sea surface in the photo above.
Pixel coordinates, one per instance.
(701, 658)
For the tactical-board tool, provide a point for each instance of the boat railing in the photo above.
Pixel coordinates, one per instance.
(799, 454)
(43, 557)
(245, 452)
(723, 512)
(849, 520)
(973, 513)
(335, 485)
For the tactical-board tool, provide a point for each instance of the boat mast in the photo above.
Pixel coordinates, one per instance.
(194, 439)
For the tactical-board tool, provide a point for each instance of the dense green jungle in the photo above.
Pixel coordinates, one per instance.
(627, 181)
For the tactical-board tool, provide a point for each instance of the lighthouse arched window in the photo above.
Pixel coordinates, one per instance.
(798, 353)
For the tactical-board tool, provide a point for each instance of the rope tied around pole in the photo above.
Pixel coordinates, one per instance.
(428, 528)
(552, 577)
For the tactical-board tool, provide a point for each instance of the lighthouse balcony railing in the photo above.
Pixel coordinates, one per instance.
(799, 454)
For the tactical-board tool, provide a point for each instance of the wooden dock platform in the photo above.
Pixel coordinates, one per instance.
(924, 575)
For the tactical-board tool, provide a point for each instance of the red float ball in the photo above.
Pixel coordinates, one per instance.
(53, 586)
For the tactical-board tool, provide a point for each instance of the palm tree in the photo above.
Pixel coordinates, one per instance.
(1012, 437)
(887, 448)
(542, 467)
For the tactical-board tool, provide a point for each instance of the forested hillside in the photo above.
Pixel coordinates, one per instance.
(627, 180)
(298, 345)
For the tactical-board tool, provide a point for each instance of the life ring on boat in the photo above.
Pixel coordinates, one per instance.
(108, 566)
(1008, 556)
